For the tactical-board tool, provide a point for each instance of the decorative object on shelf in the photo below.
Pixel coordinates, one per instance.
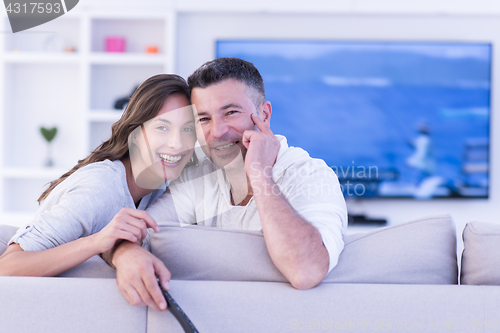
(115, 44)
(152, 49)
(54, 43)
(121, 103)
(49, 134)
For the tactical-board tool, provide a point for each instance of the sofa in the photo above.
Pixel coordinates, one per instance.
(403, 277)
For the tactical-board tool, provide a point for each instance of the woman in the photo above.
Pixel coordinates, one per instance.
(91, 207)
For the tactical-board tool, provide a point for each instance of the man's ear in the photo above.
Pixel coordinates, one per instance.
(265, 112)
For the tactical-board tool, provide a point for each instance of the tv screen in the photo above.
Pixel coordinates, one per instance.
(392, 119)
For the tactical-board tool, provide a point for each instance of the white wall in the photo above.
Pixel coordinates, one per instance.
(201, 22)
(197, 33)
(307, 6)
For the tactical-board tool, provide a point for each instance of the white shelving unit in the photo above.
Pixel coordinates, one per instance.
(45, 85)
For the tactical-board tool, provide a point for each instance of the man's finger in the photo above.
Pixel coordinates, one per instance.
(163, 273)
(145, 295)
(261, 125)
(133, 297)
(247, 137)
(156, 294)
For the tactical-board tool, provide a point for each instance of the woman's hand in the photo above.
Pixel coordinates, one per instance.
(128, 224)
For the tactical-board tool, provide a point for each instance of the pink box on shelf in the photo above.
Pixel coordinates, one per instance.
(115, 44)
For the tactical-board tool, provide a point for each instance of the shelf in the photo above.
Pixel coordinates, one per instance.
(41, 85)
(127, 58)
(108, 83)
(139, 33)
(41, 95)
(99, 132)
(54, 35)
(41, 57)
(33, 173)
(104, 115)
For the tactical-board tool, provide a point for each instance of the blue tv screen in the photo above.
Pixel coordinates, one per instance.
(392, 119)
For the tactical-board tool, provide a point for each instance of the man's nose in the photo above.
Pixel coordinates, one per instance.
(218, 129)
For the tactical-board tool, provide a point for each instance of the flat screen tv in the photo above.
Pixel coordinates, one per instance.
(392, 119)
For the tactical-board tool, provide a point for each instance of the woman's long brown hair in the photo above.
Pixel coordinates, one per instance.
(144, 105)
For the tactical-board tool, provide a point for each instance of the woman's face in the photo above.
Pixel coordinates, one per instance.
(166, 142)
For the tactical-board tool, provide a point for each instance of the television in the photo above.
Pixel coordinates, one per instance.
(398, 119)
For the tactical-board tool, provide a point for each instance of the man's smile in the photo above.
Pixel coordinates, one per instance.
(226, 146)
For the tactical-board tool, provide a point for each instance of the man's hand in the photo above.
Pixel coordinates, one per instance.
(295, 245)
(136, 272)
(262, 151)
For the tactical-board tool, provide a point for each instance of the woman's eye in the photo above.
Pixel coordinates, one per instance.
(162, 128)
(188, 129)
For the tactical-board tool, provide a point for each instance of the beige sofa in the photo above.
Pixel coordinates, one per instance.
(402, 277)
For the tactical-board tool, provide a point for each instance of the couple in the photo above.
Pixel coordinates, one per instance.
(271, 187)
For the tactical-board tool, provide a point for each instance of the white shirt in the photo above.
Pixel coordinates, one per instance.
(201, 195)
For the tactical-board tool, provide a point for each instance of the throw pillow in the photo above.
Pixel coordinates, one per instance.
(422, 251)
(481, 255)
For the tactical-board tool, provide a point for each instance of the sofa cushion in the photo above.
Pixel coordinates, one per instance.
(418, 252)
(480, 258)
(6, 233)
(207, 253)
(422, 251)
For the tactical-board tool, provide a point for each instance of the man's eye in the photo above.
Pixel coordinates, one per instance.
(204, 119)
(231, 112)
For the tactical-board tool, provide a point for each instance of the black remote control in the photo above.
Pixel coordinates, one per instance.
(176, 310)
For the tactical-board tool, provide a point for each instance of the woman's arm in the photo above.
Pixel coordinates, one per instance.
(128, 224)
(50, 262)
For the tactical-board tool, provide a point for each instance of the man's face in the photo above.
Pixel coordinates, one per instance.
(222, 115)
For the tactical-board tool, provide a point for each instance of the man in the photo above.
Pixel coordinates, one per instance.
(295, 200)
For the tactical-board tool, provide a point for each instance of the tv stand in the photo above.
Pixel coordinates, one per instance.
(362, 220)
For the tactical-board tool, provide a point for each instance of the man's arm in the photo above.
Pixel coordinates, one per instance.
(294, 244)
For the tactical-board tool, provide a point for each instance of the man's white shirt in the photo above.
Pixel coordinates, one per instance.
(201, 195)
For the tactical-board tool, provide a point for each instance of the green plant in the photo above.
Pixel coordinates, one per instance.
(48, 133)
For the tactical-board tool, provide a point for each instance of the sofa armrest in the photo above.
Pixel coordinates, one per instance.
(34, 304)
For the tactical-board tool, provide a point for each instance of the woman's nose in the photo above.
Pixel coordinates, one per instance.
(175, 140)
